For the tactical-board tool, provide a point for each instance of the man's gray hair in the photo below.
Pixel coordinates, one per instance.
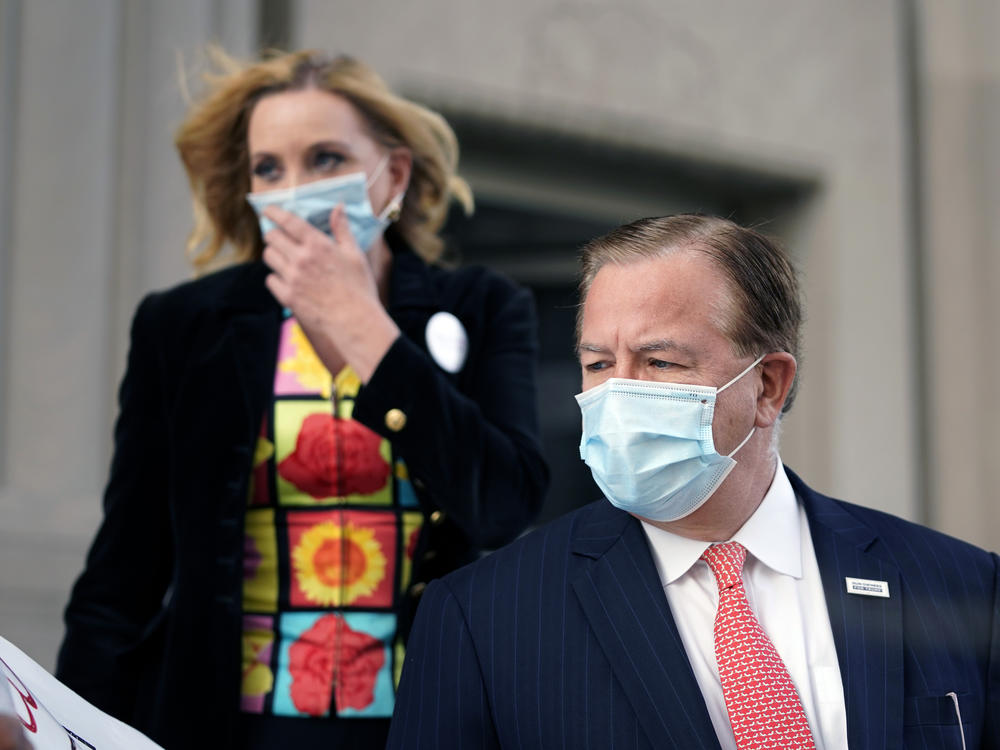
(766, 314)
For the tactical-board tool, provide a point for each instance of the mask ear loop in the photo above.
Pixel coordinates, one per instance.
(745, 441)
(754, 428)
(752, 365)
(394, 207)
(377, 172)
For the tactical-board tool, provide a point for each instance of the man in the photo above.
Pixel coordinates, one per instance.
(711, 600)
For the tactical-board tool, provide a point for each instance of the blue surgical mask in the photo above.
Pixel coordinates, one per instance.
(315, 200)
(649, 445)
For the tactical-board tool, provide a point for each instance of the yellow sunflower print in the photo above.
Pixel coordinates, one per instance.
(306, 366)
(334, 565)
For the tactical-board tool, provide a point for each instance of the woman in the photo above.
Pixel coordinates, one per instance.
(308, 436)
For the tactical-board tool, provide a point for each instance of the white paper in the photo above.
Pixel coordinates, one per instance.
(53, 715)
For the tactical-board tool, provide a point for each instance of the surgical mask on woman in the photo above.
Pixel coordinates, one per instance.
(315, 200)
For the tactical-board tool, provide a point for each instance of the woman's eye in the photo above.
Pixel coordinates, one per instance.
(266, 169)
(326, 161)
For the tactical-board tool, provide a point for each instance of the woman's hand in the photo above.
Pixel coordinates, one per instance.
(329, 286)
(12, 736)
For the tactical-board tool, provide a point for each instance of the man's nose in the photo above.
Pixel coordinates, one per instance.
(626, 368)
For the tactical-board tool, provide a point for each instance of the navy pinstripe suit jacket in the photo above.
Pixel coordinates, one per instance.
(564, 639)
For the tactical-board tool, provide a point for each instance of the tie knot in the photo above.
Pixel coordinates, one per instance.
(726, 562)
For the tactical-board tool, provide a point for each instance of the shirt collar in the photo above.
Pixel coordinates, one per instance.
(771, 535)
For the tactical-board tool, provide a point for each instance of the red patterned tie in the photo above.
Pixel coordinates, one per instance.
(764, 707)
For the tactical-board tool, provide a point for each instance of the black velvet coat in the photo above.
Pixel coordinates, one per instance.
(153, 623)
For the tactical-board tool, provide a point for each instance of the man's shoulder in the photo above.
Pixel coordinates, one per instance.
(899, 532)
(902, 538)
(541, 557)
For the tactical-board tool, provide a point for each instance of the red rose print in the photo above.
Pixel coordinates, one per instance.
(257, 490)
(311, 665)
(362, 658)
(335, 457)
(313, 661)
(411, 545)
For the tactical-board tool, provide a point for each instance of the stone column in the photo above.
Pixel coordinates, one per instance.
(94, 210)
(961, 157)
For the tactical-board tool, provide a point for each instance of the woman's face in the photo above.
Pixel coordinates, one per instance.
(297, 137)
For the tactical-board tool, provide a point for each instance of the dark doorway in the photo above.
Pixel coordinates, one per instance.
(540, 195)
(539, 249)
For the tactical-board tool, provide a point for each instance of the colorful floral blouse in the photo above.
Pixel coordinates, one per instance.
(331, 527)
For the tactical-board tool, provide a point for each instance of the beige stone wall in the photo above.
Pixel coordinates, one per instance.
(93, 213)
(961, 158)
(778, 85)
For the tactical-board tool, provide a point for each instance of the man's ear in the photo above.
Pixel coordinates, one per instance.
(777, 374)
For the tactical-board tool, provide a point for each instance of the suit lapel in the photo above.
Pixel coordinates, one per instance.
(867, 630)
(254, 350)
(241, 363)
(623, 600)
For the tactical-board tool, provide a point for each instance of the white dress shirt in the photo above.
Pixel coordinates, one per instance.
(785, 591)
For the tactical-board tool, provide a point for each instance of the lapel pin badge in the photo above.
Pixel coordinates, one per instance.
(866, 587)
(447, 341)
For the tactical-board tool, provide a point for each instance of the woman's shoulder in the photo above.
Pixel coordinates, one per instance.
(218, 285)
(448, 284)
(476, 285)
(239, 285)
(203, 304)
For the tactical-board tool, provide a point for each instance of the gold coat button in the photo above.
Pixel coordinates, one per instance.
(437, 517)
(417, 589)
(395, 419)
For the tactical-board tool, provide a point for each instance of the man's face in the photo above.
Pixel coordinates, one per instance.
(660, 319)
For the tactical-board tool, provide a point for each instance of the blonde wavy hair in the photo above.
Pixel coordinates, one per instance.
(212, 142)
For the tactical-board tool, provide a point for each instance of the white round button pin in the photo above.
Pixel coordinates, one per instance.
(447, 341)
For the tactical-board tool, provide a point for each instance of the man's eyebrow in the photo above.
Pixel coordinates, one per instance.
(658, 345)
(665, 345)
